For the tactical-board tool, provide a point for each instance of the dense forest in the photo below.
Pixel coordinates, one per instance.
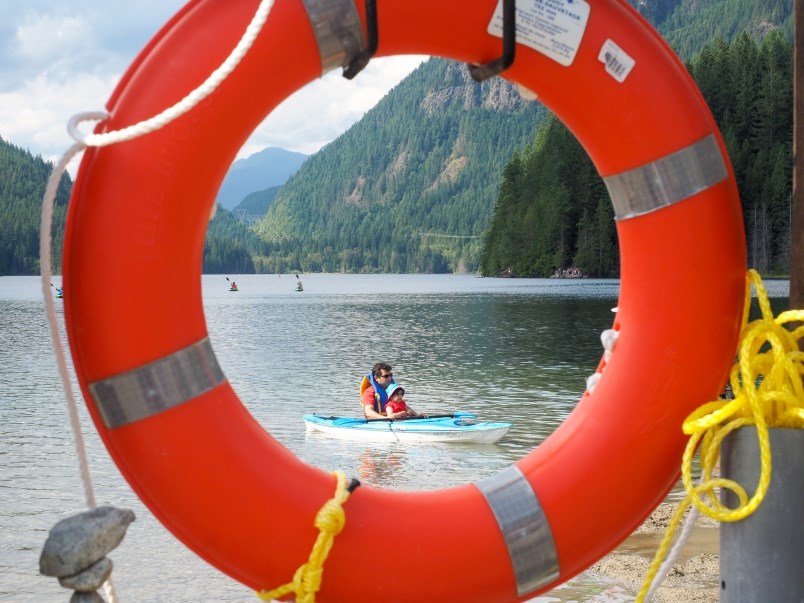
(553, 211)
(230, 246)
(23, 178)
(410, 187)
(689, 24)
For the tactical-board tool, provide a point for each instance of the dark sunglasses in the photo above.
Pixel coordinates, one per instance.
(388, 376)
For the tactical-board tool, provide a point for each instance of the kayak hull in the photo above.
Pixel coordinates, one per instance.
(460, 427)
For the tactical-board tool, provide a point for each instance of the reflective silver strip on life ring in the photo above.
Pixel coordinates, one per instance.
(524, 527)
(338, 31)
(668, 180)
(152, 388)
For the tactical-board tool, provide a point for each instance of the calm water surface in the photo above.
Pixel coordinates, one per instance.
(517, 350)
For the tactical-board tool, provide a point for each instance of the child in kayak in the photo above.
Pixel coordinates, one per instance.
(397, 408)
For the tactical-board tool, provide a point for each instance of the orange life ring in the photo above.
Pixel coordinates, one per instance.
(191, 451)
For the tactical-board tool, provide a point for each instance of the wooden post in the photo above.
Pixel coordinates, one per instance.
(797, 209)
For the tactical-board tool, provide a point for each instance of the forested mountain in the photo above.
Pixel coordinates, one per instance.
(413, 186)
(254, 205)
(267, 168)
(410, 187)
(688, 25)
(553, 211)
(230, 246)
(750, 91)
(23, 178)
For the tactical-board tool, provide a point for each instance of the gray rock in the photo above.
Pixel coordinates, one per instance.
(90, 579)
(86, 598)
(77, 542)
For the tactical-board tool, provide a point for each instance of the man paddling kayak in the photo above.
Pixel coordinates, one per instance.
(373, 396)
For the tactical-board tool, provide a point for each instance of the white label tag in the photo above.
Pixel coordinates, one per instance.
(618, 63)
(553, 27)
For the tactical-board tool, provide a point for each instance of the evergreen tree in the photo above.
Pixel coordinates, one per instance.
(556, 212)
(230, 246)
(23, 178)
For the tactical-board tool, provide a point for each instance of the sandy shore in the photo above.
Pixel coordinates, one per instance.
(693, 579)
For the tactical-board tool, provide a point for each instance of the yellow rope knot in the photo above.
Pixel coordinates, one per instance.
(768, 386)
(329, 520)
(768, 392)
(307, 582)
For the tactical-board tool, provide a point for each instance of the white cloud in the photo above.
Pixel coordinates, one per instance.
(34, 116)
(43, 38)
(327, 107)
(59, 59)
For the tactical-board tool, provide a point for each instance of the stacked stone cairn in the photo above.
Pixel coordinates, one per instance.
(76, 548)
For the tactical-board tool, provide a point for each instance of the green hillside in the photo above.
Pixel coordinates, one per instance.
(553, 212)
(693, 23)
(256, 204)
(23, 178)
(229, 245)
(413, 185)
(410, 187)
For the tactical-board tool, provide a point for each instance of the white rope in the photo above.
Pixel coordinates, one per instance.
(58, 346)
(675, 551)
(189, 101)
(50, 310)
(45, 252)
(609, 339)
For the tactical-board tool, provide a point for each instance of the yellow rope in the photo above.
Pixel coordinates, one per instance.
(768, 392)
(329, 521)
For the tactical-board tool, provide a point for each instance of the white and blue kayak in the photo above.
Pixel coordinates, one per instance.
(455, 427)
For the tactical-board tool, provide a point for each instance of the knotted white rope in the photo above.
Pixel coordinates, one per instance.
(609, 339)
(99, 140)
(189, 101)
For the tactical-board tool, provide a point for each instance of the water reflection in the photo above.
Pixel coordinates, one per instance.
(379, 468)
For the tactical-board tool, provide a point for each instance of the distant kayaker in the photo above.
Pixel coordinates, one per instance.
(373, 397)
(397, 408)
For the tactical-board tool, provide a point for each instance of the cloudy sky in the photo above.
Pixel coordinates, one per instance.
(59, 58)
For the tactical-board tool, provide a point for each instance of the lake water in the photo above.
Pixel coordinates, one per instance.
(517, 350)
